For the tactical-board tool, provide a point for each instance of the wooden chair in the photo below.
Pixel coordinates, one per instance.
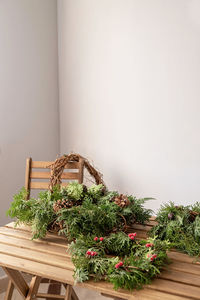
(38, 174)
(37, 177)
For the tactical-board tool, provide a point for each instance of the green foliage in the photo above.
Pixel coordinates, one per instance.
(35, 212)
(181, 226)
(87, 212)
(88, 218)
(99, 215)
(73, 191)
(137, 268)
(21, 209)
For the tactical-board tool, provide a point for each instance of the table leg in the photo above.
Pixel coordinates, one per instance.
(18, 281)
(9, 291)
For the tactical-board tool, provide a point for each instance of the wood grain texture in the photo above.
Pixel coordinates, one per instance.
(46, 164)
(49, 258)
(46, 175)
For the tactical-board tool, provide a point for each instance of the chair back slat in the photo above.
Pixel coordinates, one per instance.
(38, 174)
(46, 175)
(46, 165)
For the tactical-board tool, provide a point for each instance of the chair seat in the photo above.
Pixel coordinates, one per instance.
(48, 258)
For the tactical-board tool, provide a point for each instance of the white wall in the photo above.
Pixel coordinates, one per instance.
(129, 76)
(28, 90)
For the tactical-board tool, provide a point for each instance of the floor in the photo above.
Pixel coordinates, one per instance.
(81, 293)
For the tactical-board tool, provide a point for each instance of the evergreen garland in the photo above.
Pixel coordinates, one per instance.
(76, 209)
(136, 263)
(180, 225)
(95, 220)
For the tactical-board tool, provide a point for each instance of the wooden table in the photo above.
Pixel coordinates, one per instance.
(48, 258)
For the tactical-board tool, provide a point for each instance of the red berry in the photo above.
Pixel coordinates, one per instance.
(93, 253)
(132, 235)
(120, 264)
(101, 239)
(96, 239)
(88, 252)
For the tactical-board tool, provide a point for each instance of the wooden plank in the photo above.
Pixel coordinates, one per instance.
(178, 276)
(18, 281)
(47, 175)
(35, 256)
(36, 185)
(33, 245)
(35, 268)
(9, 291)
(49, 239)
(145, 228)
(46, 164)
(184, 267)
(34, 285)
(146, 294)
(66, 276)
(174, 255)
(175, 288)
(39, 185)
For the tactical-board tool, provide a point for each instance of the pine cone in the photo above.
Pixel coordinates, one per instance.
(193, 215)
(64, 203)
(121, 200)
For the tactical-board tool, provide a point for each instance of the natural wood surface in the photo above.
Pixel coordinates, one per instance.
(41, 170)
(49, 258)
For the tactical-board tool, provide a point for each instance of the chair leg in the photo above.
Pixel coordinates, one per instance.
(73, 295)
(9, 291)
(68, 292)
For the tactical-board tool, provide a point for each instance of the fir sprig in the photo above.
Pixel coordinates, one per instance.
(135, 265)
(181, 226)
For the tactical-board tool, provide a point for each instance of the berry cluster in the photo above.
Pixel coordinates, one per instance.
(100, 239)
(148, 245)
(120, 264)
(152, 256)
(91, 253)
(132, 235)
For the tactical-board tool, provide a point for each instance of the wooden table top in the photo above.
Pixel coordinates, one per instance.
(48, 258)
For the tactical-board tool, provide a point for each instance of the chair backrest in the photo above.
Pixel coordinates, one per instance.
(38, 174)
